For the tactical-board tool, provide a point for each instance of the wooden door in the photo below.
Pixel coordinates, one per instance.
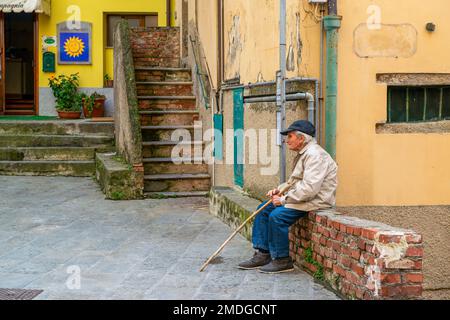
(2, 64)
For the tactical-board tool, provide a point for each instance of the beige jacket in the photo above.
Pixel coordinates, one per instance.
(314, 180)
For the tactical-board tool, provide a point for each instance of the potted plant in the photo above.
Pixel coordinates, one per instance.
(109, 83)
(93, 105)
(68, 100)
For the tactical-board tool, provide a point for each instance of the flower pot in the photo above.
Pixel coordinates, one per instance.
(109, 83)
(98, 111)
(69, 114)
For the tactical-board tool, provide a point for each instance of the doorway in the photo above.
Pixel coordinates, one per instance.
(18, 82)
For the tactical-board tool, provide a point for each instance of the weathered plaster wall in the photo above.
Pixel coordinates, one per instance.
(389, 169)
(433, 223)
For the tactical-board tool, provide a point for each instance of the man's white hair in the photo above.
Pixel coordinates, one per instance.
(308, 138)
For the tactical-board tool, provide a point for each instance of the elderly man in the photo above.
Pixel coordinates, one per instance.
(313, 187)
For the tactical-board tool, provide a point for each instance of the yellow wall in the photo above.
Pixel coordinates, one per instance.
(388, 169)
(93, 12)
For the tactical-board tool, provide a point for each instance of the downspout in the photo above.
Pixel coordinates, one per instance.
(169, 13)
(282, 103)
(332, 23)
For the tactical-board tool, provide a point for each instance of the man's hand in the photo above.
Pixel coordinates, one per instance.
(276, 200)
(273, 192)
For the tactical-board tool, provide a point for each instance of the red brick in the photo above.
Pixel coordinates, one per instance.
(343, 228)
(323, 241)
(345, 261)
(315, 238)
(339, 270)
(362, 244)
(346, 250)
(368, 295)
(312, 215)
(410, 291)
(349, 230)
(326, 233)
(318, 219)
(414, 252)
(390, 278)
(414, 238)
(359, 293)
(359, 270)
(369, 248)
(355, 254)
(386, 238)
(324, 221)
(413, 278)
(305, 243)
(329, 243)
(314, 228)
(340, 236)
(310, 266)
(320, 229)
(319, 259)
(356, 231)
(390, 291)
(302, 233)
(337, 246)
(336, 225)
(329, 223)
(400, 264)
(333, 234)
(369, 233)
(327, 263)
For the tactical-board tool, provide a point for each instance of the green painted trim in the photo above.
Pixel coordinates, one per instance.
(238, 128)
(331, 25)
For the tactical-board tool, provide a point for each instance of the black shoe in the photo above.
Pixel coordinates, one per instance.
(278, 266)
(259, 259)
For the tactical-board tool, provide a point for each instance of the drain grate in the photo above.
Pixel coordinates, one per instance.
(19, 294)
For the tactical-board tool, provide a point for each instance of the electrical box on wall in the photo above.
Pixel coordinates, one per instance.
(318, 1)
(48, 62)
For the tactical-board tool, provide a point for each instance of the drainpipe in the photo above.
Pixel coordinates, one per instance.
(332, 23)
(282, 89)
(169, 13)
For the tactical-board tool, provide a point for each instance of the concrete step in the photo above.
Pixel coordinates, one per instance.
(48, 168)
(57, 127)
(177, 183)
(147, 103)
(163, 149)
(175, 117)
(167, 166)
(165, 195)
(12, 141)
(164, 133)
(50, 153)
(163, 74)
(164, 88)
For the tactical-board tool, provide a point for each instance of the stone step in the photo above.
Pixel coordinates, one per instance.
(164, 88)
(12, 141)
(177, 183)
(175, 117)
(164, 133)
(50, 153)
(164, 149)
(165, 195)
(167, 166)
(48, 168)
(147, 103)
(163, 74)
(147, 60)
(57, 127)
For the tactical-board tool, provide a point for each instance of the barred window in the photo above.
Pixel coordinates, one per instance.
(418, 104)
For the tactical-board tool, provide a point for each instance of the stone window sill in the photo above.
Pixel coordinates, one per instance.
(420, 127)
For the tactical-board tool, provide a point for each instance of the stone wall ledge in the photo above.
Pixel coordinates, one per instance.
(359, 259)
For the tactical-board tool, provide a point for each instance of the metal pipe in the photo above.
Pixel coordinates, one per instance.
(283, 86)
(320, 101)
(290, 97)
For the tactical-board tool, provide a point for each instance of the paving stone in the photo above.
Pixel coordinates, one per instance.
(149, 249)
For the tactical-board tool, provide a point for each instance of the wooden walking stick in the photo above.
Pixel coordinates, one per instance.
(284, 190)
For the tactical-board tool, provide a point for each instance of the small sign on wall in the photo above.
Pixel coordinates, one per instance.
(75, 45)
(48, 41)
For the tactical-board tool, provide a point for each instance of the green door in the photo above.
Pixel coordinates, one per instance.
(238, 126)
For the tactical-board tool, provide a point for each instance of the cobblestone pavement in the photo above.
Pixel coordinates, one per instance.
(52, 229)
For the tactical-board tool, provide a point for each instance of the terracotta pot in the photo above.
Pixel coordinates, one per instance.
(69, 114)
(98, 111)
(109, 83)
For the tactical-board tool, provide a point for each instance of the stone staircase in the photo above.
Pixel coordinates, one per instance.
(166, 103)
(53, 148)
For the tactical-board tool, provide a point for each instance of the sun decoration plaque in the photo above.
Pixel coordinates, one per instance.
(75, 45)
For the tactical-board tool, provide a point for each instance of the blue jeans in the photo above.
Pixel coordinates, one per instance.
(271, 229)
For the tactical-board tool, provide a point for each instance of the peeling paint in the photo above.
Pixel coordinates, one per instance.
(387, 253)
(299, 40)
(234, 48)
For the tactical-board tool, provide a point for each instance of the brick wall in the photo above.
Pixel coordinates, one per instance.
(361, 259)
(156, 47)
